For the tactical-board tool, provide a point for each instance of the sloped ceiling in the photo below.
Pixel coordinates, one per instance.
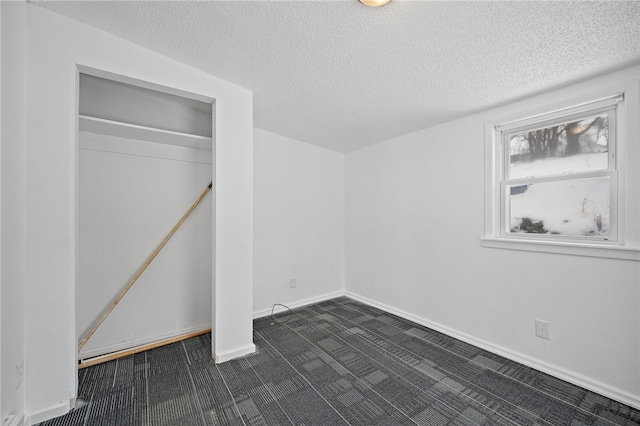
(344, 76)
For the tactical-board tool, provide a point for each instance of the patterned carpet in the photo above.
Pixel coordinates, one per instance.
(337, 362)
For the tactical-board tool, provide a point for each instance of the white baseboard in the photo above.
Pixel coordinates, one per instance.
(298, 303)
(90, 353)
(553, 370)
(219, 358)
(49, 413)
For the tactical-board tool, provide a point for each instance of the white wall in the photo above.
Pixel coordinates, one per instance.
(56, 45)
(1, 82)
(415, 216)
(13, 212)
(298, 222)
(131, 194)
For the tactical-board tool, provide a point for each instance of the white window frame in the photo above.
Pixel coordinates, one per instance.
(610, 106)
(496, 221)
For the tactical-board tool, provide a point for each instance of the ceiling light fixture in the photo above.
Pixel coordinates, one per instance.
(374, 3)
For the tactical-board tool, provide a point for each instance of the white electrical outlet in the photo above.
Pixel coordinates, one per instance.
(542, 329)
(292, 282)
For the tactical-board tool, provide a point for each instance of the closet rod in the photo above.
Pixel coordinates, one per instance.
(144, 266)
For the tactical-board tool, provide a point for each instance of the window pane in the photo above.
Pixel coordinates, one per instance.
(577, 146)
(574, 207)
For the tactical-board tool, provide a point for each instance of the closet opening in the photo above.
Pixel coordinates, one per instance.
(145, 155)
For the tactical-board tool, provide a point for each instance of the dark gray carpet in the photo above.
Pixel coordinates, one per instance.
(334, 363)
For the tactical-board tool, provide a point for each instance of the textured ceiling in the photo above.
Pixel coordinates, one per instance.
(343, 76)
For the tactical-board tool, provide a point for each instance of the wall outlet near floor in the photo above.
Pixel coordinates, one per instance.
(292, 282)
(542, 329)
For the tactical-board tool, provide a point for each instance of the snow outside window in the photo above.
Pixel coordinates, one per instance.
(557, 175)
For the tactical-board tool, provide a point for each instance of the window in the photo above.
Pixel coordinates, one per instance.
(557, 175)
(561, 171)
(553, 181)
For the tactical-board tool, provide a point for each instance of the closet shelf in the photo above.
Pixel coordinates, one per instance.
(133, 131)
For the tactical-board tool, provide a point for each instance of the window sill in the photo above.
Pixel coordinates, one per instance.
(575, 249)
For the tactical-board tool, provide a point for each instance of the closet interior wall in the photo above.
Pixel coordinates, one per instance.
(144, 157)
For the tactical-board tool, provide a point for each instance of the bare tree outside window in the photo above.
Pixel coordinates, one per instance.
(556, 178)
(578, 138)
